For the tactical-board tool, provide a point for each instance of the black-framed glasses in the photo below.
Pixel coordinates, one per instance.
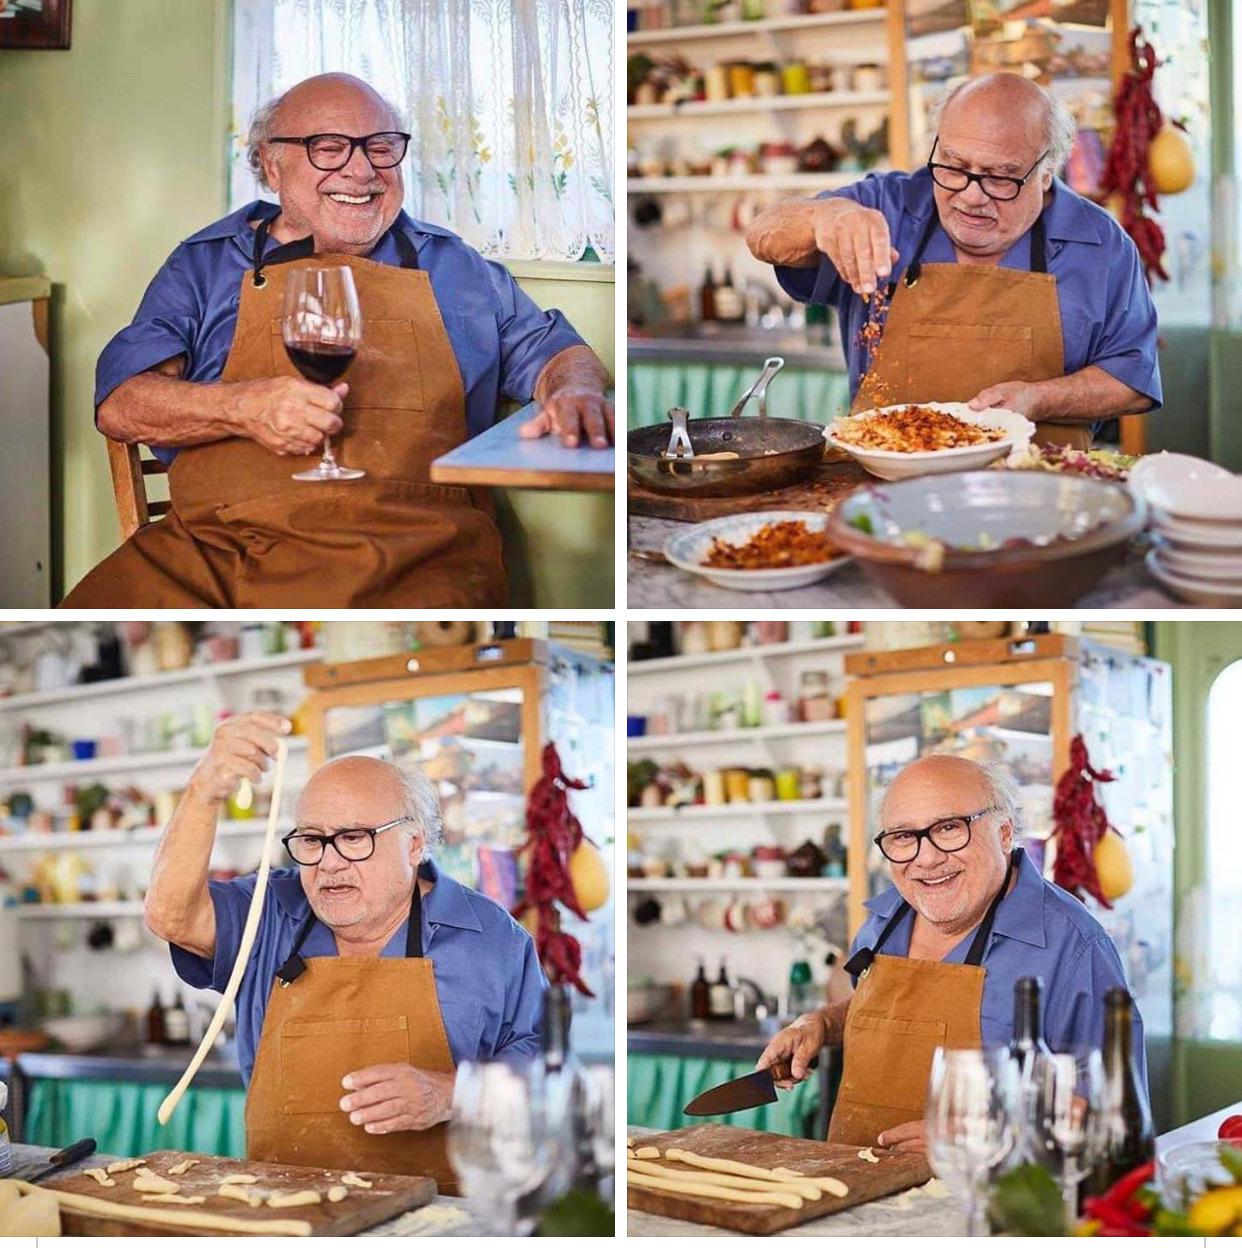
(949, 836)
(384, 149)
(353, 844)
(993, 185)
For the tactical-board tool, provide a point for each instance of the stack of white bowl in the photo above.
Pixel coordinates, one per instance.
(1196, 520)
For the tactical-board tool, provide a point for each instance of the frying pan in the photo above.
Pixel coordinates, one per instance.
(772, 452)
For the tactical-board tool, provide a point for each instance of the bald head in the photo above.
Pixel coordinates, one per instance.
(330, 91)
(1024, 105)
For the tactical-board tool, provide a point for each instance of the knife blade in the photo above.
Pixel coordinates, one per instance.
(754, 1089)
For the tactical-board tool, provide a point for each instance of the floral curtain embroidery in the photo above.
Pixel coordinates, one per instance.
(509, 103)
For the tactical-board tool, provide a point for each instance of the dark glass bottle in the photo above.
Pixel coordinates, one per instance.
(722, 995)
(707, 297)
(1028, 1032)
(1129, 1139)
(155, 1020)
(701, 996)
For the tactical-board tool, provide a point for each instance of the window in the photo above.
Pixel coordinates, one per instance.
(509, 103)
(1223, 1000)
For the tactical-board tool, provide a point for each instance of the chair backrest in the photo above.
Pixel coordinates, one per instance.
(129, 485)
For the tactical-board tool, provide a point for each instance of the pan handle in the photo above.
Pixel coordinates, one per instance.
(771, 366)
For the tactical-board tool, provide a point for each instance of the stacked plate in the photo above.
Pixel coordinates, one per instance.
(1196, 520)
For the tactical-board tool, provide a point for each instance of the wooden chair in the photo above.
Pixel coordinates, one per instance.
(129, 485)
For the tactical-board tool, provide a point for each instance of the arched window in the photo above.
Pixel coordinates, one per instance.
(1224, 840)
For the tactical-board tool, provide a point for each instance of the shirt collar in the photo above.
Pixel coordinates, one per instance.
(1068, 218)
(1020, 916)
(447, 905)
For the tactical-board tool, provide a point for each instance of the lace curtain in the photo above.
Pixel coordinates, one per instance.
(509, 103)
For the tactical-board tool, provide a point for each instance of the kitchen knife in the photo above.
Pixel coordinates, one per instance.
(756, 1088)
(66, 1157)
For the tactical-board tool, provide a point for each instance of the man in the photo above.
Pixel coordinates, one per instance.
(372, 976)
(1007, 289)
(202, 377)
(936, 962)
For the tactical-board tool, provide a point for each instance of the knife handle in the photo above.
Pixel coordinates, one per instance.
(75, 1152)
(780, 1070)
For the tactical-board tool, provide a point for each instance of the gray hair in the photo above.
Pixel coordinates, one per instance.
(263, 126)
(1060, 127)
(1005, 794)
(422, 804)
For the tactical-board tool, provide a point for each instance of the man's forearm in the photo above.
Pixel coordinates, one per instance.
(177, 897)
(1088, 395)
(785, 233)
(834, 1016)
(575, 368)
(162, 410)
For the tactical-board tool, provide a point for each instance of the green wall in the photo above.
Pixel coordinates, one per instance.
(115, 151)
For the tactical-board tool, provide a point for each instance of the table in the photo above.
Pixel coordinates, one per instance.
(650, 584)
(499, 457)
(30, 1159)
(907, 1213)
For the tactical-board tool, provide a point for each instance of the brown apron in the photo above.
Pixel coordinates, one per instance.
(243, 533)
(902, 1010)
(952, 330)
(327, 1017)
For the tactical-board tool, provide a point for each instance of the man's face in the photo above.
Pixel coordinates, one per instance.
(981, 138)
(950, 889)
(356, 897)
(318, 202)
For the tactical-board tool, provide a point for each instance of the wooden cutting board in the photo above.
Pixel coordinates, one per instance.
(392, 1194)
(831, 482)
(867, 1181)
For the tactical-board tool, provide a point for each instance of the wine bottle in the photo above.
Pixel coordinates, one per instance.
(701, 995)
(1028, 1035)
(1126, 1135)
(722, 995)
(155, 1021)
(707, 297)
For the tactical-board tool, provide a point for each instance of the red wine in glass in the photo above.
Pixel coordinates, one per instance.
(322, 331)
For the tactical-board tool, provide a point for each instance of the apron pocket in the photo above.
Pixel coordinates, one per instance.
(316, 1056)
(386, 344)
(963, 358)
(898, 1058)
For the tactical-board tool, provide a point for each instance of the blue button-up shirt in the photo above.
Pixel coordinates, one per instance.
(1107, 315)
(488, 979)
(500, 336)
(1039, 930)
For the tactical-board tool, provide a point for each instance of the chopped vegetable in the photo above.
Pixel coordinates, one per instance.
(780, 544)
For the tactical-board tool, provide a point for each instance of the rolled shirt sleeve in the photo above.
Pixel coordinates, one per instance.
(231, 901)
(1125, 345)
(521, 1034)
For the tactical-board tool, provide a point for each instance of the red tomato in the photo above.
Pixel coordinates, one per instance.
(1231, 1128)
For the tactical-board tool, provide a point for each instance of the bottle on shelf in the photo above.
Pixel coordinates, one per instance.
(722, 995)
(729, 304)
(1128, 1139)
(177, 1022)
(1028, 1034)
(156, 1033)
(707, 296)
(837, 866)
(801, 988)
(701, 996)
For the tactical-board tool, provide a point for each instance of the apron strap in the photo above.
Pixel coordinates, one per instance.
(1039, 246)
(300, 248)
(293, 965)
(861, 962)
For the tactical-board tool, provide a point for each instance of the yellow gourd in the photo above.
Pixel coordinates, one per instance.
(589, 876)
(1170, 161)
(1113, 866)
(1217, 1212)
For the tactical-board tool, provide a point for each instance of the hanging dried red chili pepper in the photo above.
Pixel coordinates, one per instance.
(1078, 823)
(1138, 120)
(553, 833)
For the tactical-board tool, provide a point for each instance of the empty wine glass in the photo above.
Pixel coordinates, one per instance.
(971, 1121)
(1060, 1102)
(322, 331)
(602, 1124)
(501, 1141)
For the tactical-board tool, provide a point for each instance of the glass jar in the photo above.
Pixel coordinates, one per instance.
(714, 788)
(762, 786)
(789, 784)
(815, 700)
(796, 78)
(737, 784)
(741, 80)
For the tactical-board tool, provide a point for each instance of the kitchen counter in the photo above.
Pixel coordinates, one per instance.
(736, 1041)
(31, 1159)
(652, 584)
(728, 344)
(148, 1064)
(907, 1213)
(499, 457)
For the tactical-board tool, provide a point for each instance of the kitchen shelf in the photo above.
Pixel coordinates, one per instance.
(676, 740)
(748, 883)
(81, 910)
(759, 104)
(116, 765)
(767, 25)
(35, 841)
(735, 810)
(743, 654)
(742, 182)
(183, 675)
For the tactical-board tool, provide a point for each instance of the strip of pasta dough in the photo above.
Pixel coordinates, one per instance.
(703, 1187)
(249, 932)
(808, 1191)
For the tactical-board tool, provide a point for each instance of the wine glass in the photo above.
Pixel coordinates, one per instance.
(501, 1141)
(1061, 1096)
(322, 331)
(971, 1120)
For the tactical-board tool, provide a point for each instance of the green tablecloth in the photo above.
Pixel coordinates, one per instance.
(712, 389)
(659, 1084)
(121, 1117)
